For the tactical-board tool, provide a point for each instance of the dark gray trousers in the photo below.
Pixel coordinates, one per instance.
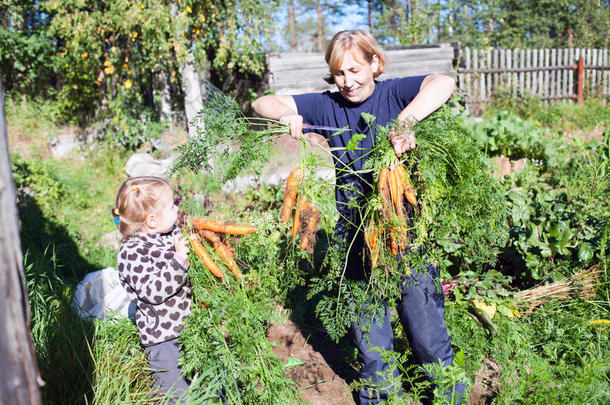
(167, 374)
(421, 312)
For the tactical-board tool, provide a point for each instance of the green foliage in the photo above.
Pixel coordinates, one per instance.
(459, 222)
(25, 48)
(225, 339)
(507, 135)
(35, 177)
(508, 24)
(226, 142)
(462, 204)
(558, 209)
(554, 355)
(564, 116)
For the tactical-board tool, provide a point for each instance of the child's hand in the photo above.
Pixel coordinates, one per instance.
(180, 244)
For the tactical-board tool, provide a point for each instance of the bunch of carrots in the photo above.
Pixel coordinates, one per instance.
(389, 228)
(306, 216)
(214, 230)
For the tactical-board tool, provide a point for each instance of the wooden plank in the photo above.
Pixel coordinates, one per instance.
(20, 378)
(540, 74)
(528, 75)
(443, 67)
(481, 59)
(476, 76)
(522, 75)
(502, 78)
(534, 61)
(566, 73)
(547, 84)
(495, 63)
(572, 61)
(468, 76)
(594, 90)
(555, 74)
(488, 63)
(606, 76)
(506, 61)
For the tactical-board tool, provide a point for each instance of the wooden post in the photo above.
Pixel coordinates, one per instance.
(580, 84)
(19, 376)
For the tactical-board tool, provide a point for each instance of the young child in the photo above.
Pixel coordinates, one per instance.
(152, 264)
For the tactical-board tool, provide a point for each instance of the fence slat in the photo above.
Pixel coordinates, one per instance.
(594, 55)
(571, 88)
(522, 75)
(476, 78)
(488, 63)
(534, 91)
(528, 76)
(496, 64)
(547, 56)
(467, 76)
(508, 61)
(553, 76)
(606, 75)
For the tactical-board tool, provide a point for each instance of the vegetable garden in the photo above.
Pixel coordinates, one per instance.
(523, 257)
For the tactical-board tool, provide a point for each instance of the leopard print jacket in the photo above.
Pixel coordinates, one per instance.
(157, 283)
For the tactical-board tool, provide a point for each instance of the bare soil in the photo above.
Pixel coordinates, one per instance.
(323, 377)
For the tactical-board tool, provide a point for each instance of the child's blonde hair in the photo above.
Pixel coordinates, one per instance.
(348, 40)
(137, 198)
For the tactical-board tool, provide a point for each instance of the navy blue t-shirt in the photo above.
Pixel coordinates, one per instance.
(389, 98)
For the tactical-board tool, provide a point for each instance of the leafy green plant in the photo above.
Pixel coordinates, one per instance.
(507, 135)
(35, 177)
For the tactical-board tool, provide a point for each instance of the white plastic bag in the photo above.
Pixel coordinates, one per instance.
(100, 295)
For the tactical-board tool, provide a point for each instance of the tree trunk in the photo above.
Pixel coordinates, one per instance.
(19, 375)
(291, 26)
(163, 96)
(190, 83)
(320, 31)
(370, 14)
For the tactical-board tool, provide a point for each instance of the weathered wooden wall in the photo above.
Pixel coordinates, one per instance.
(297, 73)
(18, 372)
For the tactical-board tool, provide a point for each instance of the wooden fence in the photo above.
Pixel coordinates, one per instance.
(547, 74)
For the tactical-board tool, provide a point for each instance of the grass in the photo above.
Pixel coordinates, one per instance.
(30, 125)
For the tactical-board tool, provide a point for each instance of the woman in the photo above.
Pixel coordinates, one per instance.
(355, 59)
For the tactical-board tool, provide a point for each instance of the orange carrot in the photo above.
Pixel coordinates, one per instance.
(220, 226)
(384, 192)
(310, 225)
(205, 257)
(296, 225)
(290, 194)
(213, 237)
(396, 190)
(225, 253)
(407, 186)
(371, 239)
(393, 244)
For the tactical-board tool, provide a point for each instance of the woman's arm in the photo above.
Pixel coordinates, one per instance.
(281, 108)
(434, 91)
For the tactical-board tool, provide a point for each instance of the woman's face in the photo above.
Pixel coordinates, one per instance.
(354, 77)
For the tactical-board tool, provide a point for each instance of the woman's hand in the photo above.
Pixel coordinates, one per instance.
(295, 124)
(180, 245)
(402, 137)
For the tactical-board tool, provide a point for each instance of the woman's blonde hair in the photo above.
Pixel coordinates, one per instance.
(137, 198)
(347, 40)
